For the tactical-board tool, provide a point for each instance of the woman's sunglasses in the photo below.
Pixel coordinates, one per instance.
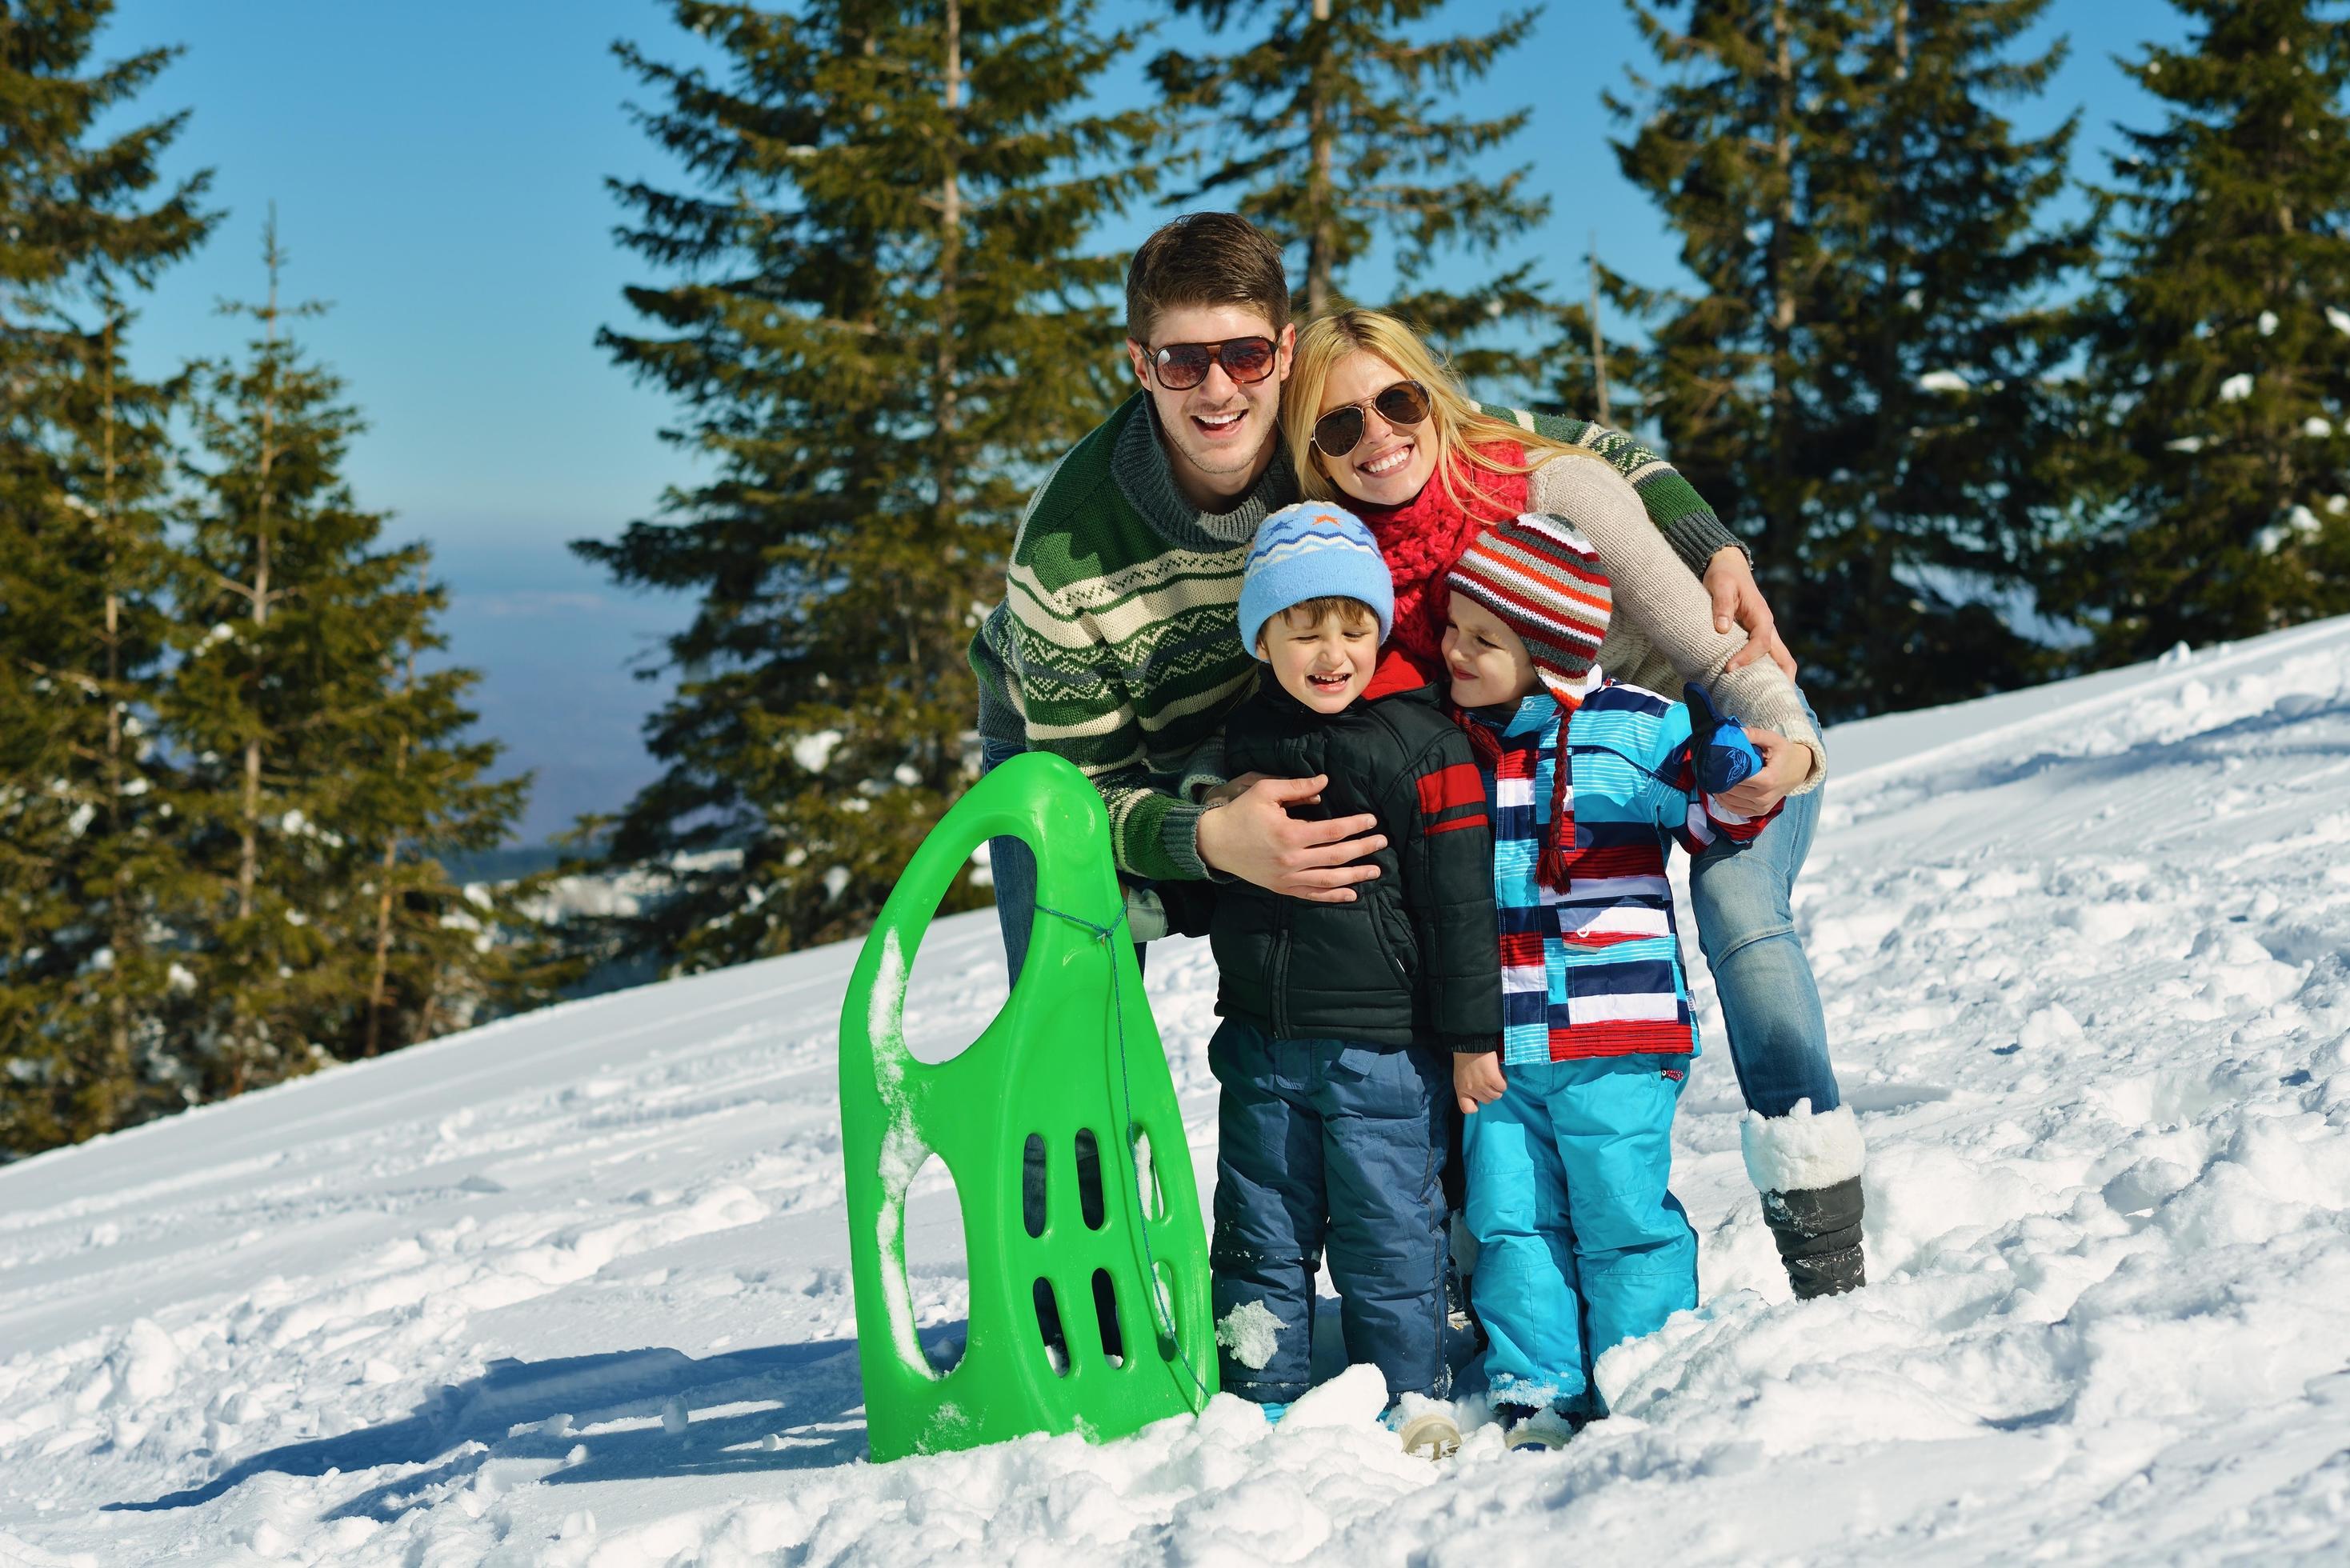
(1183, 366)
(1340, 430)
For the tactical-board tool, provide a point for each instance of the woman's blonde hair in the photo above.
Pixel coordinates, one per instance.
(1461, 426)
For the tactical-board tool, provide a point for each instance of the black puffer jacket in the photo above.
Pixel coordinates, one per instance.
(1415, 957)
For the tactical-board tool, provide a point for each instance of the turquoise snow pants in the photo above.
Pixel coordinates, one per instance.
(1579, 1245)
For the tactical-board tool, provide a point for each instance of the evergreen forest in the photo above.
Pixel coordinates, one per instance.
(1983, 415)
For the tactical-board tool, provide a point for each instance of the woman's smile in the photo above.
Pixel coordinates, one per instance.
(1391, 463)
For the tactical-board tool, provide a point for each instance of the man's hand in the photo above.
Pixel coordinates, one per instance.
(1231, 790)
(1786, 765)
(1255, 839)
(1477, 1079)
(1737, 600)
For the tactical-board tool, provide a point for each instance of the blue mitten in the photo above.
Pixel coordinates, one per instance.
(1720, 753)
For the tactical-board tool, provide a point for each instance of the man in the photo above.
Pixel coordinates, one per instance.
(1114, 645)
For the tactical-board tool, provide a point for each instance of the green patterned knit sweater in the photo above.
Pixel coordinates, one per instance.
(1117, 646)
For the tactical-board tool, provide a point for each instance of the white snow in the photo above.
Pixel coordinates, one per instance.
(2236, 387)
(813, 752)
(450, 1306)
(2339, 317)
(1251, 1332)
(2315, 428)
(1944, 382)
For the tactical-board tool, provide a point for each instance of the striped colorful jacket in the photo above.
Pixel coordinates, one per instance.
(1597, 970)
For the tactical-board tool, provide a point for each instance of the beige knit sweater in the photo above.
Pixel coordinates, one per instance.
(1661, 634)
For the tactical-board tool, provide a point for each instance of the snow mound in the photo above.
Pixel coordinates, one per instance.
(573, 1289)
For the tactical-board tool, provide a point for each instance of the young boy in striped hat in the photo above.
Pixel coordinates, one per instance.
(1568, 1127)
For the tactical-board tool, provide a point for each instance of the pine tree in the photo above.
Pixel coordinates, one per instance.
(1333, 129)
(82, 858)
(1861, 381)
(93, 868)
(884, 323)
(320, 767)
(2219, 343)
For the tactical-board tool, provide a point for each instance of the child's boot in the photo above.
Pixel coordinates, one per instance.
(1425, 1427)
(1536, 1426)
(1807, 1168)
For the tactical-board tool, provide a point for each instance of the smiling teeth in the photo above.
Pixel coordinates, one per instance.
(1218, 421)
(1389, 463)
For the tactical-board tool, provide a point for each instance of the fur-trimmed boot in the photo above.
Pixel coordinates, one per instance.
(1807, 1168)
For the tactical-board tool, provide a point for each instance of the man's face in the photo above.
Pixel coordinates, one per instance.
(1220, 433)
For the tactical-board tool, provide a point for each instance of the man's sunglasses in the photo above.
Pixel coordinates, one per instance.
(1340, 430)
(1183, 366)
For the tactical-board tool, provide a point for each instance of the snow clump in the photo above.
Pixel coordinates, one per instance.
(1251, 1332)
(813, 751)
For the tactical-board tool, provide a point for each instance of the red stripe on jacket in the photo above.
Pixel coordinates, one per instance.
(1459, 785)
(1627, 1038)
(1618, 860)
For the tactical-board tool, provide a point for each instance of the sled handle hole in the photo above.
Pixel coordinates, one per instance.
(1032, 1187)
(1089, 1180)
(1146, 1178)
(1113, 1336)
(1050, 1333)
(1162, 1327)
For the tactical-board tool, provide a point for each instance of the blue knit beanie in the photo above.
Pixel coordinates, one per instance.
(1310, 551)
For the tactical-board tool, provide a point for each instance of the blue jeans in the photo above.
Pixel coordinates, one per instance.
(1330, 1141)
(1770, 1002)
(1579, 1245)
(1012, 864)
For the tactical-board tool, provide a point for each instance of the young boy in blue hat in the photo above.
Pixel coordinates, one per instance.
(1340, 1021)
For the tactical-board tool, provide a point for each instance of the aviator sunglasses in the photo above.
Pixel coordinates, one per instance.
(1183, 366)
(1340, 430)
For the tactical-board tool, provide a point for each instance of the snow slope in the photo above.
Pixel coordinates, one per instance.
(573, 1289)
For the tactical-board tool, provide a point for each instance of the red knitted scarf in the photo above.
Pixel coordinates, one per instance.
(1424, 537)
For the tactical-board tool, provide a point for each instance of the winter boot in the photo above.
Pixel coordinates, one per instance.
(1807, 1168)
(1427, 1429)
(1536, 1426)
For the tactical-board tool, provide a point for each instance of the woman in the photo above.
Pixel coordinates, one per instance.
(1372, 421)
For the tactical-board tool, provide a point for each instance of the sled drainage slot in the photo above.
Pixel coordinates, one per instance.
(1048, 1329)
(1089, 1180)
(1146, 1178)
(1113, 1340)
(1032, 1187)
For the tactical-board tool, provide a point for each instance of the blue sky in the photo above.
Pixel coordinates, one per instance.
(438, 169)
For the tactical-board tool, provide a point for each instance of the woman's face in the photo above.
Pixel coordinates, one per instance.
(1391, 463)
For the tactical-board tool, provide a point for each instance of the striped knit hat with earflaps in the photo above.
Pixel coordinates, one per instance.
(1541, 576)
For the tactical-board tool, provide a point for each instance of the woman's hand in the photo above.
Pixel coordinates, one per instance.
(1737, 600)
(1477, 1079)
(1786, 765)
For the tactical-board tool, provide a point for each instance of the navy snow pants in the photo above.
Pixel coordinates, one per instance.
(1332, 1142)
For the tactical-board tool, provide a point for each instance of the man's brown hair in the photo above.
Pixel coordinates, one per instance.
(1205, 258)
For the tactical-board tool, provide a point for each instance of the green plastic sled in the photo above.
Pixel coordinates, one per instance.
(1073, 1052)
